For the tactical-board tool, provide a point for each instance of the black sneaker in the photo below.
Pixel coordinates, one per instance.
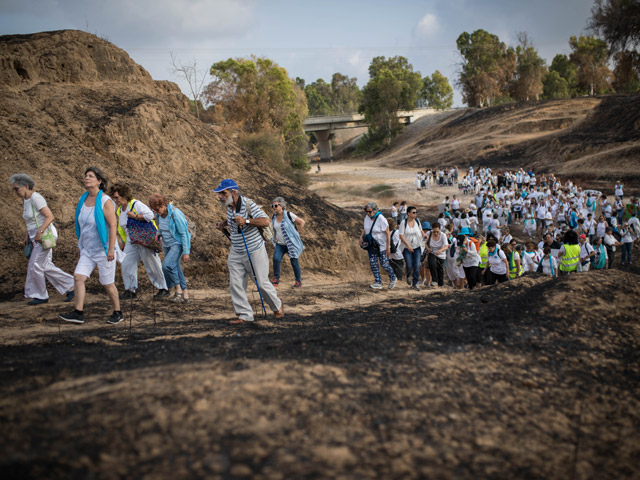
(73, 316)
(128, 294)
(70, 295)
(162, 293)
(115, 318)
(37, 301)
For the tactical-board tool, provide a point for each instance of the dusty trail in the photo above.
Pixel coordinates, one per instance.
(535, 378)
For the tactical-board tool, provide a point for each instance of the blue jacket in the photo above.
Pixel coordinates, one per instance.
(290, 234)
(179, 228)
(101, 223)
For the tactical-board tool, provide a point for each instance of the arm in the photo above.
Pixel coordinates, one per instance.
(110, 218)
(48, 221)
(300, 223)
(222, 225)
(388, 234)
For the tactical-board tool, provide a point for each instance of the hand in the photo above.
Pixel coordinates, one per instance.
(38, 237)
(410, 249)
(388, 251)
(241, 221)
(185, 258)
(111, 255)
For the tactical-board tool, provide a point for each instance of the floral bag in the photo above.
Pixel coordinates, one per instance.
(143, 233)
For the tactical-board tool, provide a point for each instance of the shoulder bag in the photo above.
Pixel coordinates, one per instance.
(47, 238)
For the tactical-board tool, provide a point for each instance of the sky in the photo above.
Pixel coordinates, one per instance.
(310, 40)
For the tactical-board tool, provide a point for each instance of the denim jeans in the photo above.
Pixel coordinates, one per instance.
(171, 267)
(626, 252)
(277, 260)
(412, 260)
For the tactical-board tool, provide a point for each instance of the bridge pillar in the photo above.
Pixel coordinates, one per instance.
(324, 144)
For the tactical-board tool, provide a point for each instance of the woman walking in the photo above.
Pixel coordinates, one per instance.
(286, 240)
(377, 227)
(131, 212)
(176, 243)
(411, 236)
(498, 266)
(39, 219)
(436, 246)
(96, 228)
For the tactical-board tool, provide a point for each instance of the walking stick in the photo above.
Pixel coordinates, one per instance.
(255, 278)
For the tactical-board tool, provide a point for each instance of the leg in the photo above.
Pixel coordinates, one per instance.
(375, 269)
(260, 260)
(278, 253)
(35, 285)
(408, 261)
(153, 266)
(130, 266)
(384, 261)
(238, 276)
(112, 292)
(417, 253)
(80, 290)
(107, 270)
(169, 266)
(440, 271)
(470, 273)
(295, 265)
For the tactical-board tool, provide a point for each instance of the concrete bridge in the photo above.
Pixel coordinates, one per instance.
(324, 127)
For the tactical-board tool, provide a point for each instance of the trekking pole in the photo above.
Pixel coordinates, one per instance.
(255, 278)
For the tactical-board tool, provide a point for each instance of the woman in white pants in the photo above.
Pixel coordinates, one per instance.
(39, 218)
(129, 207)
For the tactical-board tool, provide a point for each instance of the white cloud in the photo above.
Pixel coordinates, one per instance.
(428, 25)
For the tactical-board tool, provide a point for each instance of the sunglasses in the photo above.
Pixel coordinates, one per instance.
(275, 205)
(368, 211)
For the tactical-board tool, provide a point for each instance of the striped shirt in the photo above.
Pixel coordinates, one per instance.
(251, 234)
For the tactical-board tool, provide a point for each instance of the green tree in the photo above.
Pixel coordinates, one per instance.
(567, 70)
(393, 86)
(487, 67)
(346, 95)
(554, 86)
(319, 98)
(437, 92)
(530, 70)
(256, 95)
(590, 55)
(618, 22)
(627, 71)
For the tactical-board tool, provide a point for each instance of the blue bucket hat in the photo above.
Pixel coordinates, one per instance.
(466, 231)
(426, 226)
(226, 184)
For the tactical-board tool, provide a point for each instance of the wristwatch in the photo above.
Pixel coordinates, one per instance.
(248, 222)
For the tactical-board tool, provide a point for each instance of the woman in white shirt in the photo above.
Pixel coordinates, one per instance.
(41, 268)
(377, 225)
(497, 268)
(129, 208)
(96, 228)
(469, 258)
(411, 237)
(436, 245)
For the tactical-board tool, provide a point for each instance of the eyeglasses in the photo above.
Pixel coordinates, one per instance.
(275, 205)
(413, 213)
(368, 211)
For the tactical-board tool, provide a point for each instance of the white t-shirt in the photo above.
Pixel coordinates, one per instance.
(395, 239)
(278, 231)
(38, 202)
(379, 230)
(530, 261)
(437, 245)
(413, 235)
(471, 259)
(89, 240)
(496, 262)
(547, 263)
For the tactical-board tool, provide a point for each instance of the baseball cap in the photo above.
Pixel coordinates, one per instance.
(226, 184)
(582, 236)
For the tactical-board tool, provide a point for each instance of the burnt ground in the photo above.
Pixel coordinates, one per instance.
(537, 378)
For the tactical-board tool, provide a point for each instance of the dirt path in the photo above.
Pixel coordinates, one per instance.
(537, 378)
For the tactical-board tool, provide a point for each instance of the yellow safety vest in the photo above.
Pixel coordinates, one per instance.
(513, 271)
(121, 232)
(484, 252)
(570, 258)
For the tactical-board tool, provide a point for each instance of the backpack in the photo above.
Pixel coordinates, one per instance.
(393, 248)
(476, 242)
(265, 232)
(191, 226)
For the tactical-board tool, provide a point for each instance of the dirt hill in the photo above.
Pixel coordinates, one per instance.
(594, 140)
(70, 100)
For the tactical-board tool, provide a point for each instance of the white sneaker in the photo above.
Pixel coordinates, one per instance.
(434, 284)
(376, 286)
(392, 284)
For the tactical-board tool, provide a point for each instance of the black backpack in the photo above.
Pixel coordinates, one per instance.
(393, 248)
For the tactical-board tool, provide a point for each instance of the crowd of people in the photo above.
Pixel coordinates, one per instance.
(565, 229)
(114, 227)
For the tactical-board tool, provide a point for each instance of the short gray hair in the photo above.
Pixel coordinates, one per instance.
(280, 200)
(372, 205)
(22, 180)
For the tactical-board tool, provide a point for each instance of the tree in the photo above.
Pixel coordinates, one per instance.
(618, 22)
(319, 98)
(437, 92)
(554, 86)
(530, 70)
(487, 67)
(589, 54)
(566, 70)
(393, 86)
(627, 71)
(194, 78)
(346, 95)
(257, 96)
